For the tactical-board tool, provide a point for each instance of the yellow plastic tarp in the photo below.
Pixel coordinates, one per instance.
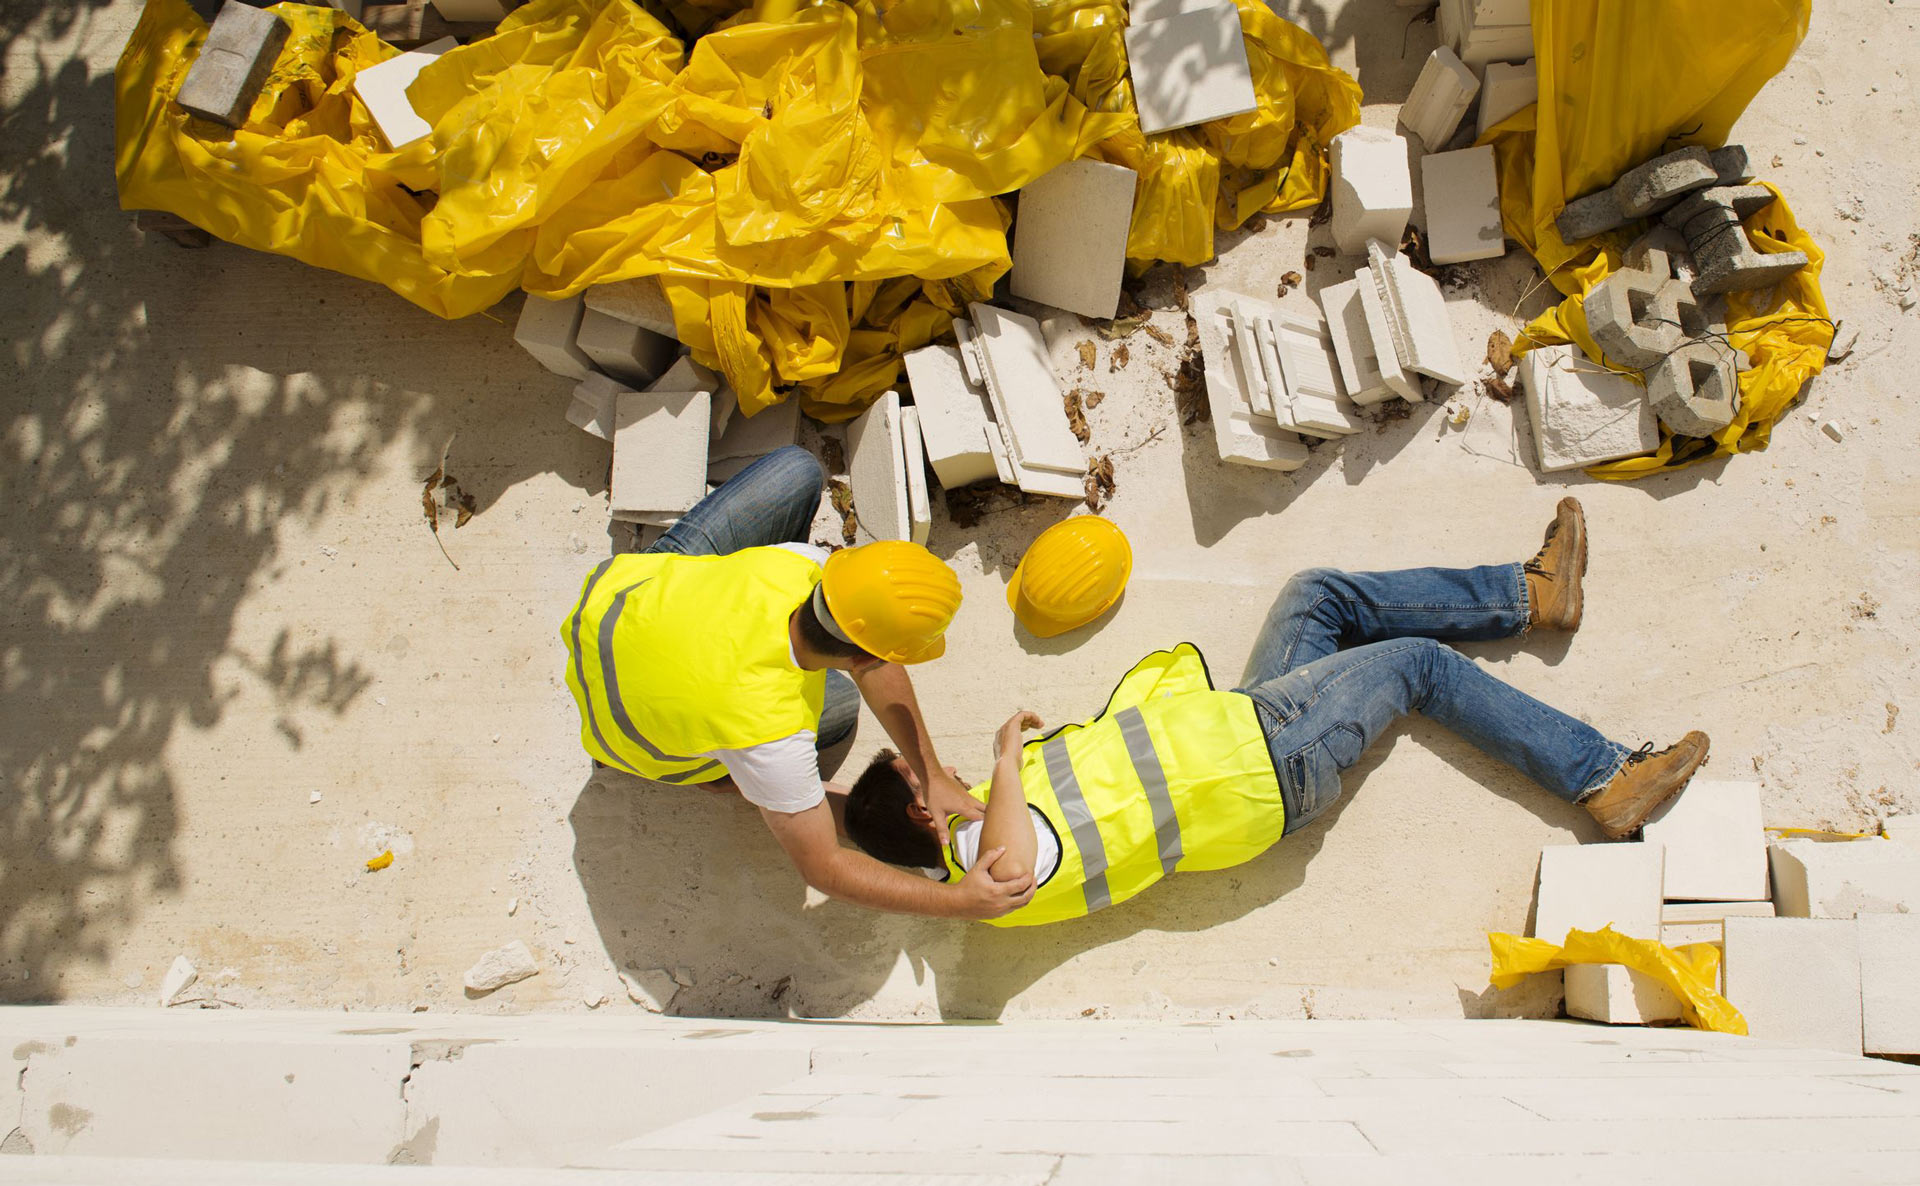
(1690, 971)
(1624, 82)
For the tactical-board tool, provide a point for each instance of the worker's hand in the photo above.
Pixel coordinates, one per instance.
(1009, 736)
(947, 796)
(983, 897)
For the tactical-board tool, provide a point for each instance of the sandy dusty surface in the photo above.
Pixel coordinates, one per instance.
(219, 598)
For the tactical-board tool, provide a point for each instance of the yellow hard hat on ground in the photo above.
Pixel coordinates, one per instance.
(892, 599)
(1071, 575)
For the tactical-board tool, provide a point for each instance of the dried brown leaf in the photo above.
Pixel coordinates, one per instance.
(1498, 388)
(1076, 419)
(1089, 354)
(1121, 327)
(1500, 352)
(443, 493)
(1118, 359)
(840, 494)
(1311, 260)
(1159, 335)
(1100, 484)
(1091, 399)
(1325, 252)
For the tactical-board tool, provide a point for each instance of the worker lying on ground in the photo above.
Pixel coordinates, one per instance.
(1174, 775)
(721, 655)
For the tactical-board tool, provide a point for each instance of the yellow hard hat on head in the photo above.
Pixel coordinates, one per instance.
(1071, 575)
(892, 599)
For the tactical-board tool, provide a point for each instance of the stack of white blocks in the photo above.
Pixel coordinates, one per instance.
(1581, 412)
(1484, 31)
(1188, 63)
(1590, 886)
(1372, 188)
(1440, 98)
(886, 466)
(955, 419)
(1276, 369)
(1070, 237)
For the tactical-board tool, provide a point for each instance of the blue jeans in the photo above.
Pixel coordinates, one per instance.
(772, 501)
(1345, 654)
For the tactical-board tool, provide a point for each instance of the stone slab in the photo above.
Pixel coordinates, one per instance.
(638, 302)
(1372, 188)
(1353, 344)
(1416, 315)
(1189, 68)
(1461, 197)
(1618, 995)
(758, 434)
(593, 404)
(659, 452)
(546, 330)
(1796, 980)
(1682, 913)
(1581, 413)
(234, 62)
(876, 469)
(1310, 395)
(1506, 89)
(625, 351)
(1441, 96)
(688, 375)
(1820, 879)
(1238, 436)
(1653, 186)
(1070, 237)
(1026, 398)
(383, 89)
(1394, 371)
(953, 412)
(914, 458)
(1489, 43)
(1716, 842)
(1890, 983)
(1589, 886)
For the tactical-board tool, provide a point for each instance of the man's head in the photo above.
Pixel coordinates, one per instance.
(886, 819)
(890, 598)
(820, 636)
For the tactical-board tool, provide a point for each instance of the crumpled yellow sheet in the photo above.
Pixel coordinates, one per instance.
(818, 187)
(1690, 971)
(1629, 81)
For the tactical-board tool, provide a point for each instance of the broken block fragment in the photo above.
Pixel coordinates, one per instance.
(1241, 437)
(1723, 256)
(1505, 90)
(1353, 345)
(592, 410)
(914, 458)
(1028, 406)
(1441, 96)
(1372, 189)
(1070, 237)
(627, 352)
(953, 413)
(659, 453)
(876, 469)
(1650, 188)
(546, 330)
(383, 88)
(233, 65)
(1189, 68)
(1416, 316)
(1583, 414)
(1486, 31)
(1617, 995)
(1402, 380)
(1462, 202)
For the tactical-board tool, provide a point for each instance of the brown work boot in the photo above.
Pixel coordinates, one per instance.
(1644, 783)
(1555, 572)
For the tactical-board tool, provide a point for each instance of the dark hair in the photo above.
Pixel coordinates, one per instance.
(820, 639)
(878, 822)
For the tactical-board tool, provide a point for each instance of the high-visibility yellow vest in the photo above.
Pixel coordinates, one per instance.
(1172, 775)
(671, 657)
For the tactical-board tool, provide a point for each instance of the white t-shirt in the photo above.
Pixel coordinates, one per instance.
(966, 846)
(783, 774)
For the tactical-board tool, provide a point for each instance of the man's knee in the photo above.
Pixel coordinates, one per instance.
(1307, 585)
(798, 473)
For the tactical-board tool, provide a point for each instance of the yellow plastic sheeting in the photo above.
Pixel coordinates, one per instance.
(1625, 82)
(1690, 971)
(306, 176)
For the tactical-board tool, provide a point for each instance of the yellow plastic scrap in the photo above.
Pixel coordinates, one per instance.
(1690, 971)
(380, 862)
(1627, 82)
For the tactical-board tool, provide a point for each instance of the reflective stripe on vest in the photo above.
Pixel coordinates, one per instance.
(1086, 833)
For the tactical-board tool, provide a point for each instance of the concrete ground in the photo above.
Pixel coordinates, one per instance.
(220, 598)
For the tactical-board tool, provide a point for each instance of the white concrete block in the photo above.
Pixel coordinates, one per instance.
(1189, 68)
(1681, 913)
(1049, 482)
(383, 88)
(1462, 202)
(1240, 436)
(1903, 829)
(546, 329)
(1817, 879)
(1890, 982)
(759, 434)
(914, 457)
(1716, 842)
(1309, 395)
(1488, 43)
(953, 413)
(1416, 316)
(1441, 96)
(688, 375)
(630, 354)
(484, 11)
(1583, 414)
(876, 469)
(1796, 980)
(1353, 344)
(637, 302)
(997, 449)
(1618, 995)
(593, 404)
(1394, 371)
(1070, 237)
(1680, 934)
(659, 452)
(1026, 400)
(1139, 12)
(1589, 886)
(1372, 188)
(1505, 90)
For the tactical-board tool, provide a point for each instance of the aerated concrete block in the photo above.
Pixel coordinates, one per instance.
(546, 330)
(1722, 254)
(953, 414)
(759, 434)
(1488, 43)
(1581, 413)
(1589, 886)
(1070, 237)
(593, 405)
(688, 375)
(1715, 840)
(1817, 879)
(659, 453)
(1617, 995)
(1796, 980)
(1239, 436)
(1394, 371)
(383, 88)
(1416, 316)
(1441, 95)
(1189, 68)
(628, 353)
(637, 302)
(1026, 399)
(1890, 983)
(914, 457)
(1353, 344)
(876, 469)
(1506, 90)
(1372, 188)
(1684, 913)
(233, 65)
(1462, 200)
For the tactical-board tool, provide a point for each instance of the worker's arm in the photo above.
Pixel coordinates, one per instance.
(852, 876)
(889, 693)
(1009, 825)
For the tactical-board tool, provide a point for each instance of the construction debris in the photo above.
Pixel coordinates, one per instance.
(1353, 343)
(914, 459)
(622, 350)
(500, 967)
(659, 454)
(547, 329)
(1461, 200)
(1723, 256)
(1440, 98)
(233, 65)
(1372, 190)
(1189, 68)
(638, 302)
(1415, 313)
(954, 417)
(1583, 414)
(1652, 320)
(1070, 238)
(1505, 90)
(383, 89)
(1651, 188)
(178, 980)
(1037, 451)
(1487, 31)
(876, 470)
(652, 989)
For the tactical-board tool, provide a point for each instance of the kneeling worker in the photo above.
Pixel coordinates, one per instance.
(720, 657)
(1174, 775)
